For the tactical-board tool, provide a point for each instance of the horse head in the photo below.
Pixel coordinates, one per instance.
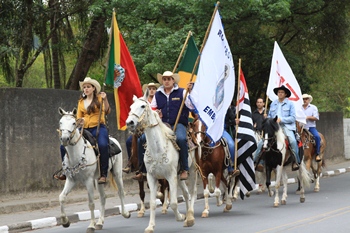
(199, 131)
(141, 114)
(269, 127)
(68, 125)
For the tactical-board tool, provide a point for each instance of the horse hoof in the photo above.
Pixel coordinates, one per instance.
(127, 215)
(98, 227)
(66, 225)
(247, 194)
(284, 202)
(302, 199)
(316, 190)
(90, 230)
(275, 204)
(205, 215)
(140, 214)
(149, 230)
(189, 223)
(228, 208)
(164, 211)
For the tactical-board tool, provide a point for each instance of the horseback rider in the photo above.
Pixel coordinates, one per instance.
(229, 133)
(285, 111)
(167, 102)
(258, 115)
(312, 116)
(152, 88)
(89, 105)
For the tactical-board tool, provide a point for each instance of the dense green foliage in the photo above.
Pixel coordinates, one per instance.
(312, 35)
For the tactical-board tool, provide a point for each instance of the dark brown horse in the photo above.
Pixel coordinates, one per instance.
(309, 146)
(163, 184)
(213, 164)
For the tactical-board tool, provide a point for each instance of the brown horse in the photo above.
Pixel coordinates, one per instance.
(163, 191)
(213, 163)
(309, 147)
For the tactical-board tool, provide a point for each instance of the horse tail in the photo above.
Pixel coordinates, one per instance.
(211, 181)
(112, 181)
(305, 175)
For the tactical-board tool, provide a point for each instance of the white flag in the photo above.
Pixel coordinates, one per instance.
(215, 84)
(282, 74)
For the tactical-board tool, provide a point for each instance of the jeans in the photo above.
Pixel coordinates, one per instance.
(231, 147)
(141, 152)
(317, 137)
(181, 140)
(128, 143)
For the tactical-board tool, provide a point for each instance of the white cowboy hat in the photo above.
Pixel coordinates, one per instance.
(92, 82)
(286, 90)
(307, 96)
(145, 86)
(176, 77)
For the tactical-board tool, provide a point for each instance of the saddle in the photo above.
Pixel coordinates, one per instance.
(113, 148)
(309, 137)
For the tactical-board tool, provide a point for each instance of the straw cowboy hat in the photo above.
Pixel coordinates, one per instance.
(286, 90)
(145, 86)
(307, 96)
(92, 82)
(176, 77)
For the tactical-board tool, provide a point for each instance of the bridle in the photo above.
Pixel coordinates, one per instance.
(271, 141)
(140, 117)
(71, 132)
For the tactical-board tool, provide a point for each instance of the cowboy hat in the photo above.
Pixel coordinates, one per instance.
(286, 90)
(307, 96)
(176, 77)
(145, 86)
(92, 82)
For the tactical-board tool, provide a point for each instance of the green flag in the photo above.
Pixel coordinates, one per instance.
(187, 63)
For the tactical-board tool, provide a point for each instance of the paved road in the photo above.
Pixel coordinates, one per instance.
(16, 212)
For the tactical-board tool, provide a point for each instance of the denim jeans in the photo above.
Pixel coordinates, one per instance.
(231, 147)
(317, 137)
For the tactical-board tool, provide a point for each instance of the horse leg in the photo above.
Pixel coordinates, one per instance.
(142, 210)
(278, 183)
(285, 186)
(317, 180)
(165, 200)
(118, 177)
(100, 222)
(217, 191)
(205, 212)
(152, 183)
(228, 194)
(68, 186)
(192, 188)
(90, 188)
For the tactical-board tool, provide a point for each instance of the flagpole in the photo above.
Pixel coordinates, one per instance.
(197, 61)
(237, 110)
(182, 50)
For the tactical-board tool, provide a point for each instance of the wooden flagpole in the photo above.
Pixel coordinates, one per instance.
(196, 64)
(237, 110)
(182, 51)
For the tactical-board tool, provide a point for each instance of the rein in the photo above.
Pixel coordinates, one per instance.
(270, 144)
(143, 125)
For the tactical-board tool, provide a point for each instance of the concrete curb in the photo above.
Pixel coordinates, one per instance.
(131, 207)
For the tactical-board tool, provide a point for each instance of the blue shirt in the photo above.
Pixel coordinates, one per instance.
(286, 113)
(310, 110)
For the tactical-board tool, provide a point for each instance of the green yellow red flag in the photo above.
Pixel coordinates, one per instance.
(122, 74)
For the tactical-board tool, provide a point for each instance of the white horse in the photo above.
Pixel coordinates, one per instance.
(275, 157)
(81, 165)
(162, 159)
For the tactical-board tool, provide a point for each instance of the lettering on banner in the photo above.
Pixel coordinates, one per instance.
(210, 112)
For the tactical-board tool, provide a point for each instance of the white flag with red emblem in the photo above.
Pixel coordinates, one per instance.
(282, 74)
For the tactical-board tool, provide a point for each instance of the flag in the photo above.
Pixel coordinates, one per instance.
(246, 141)
(187, 63)
(214, 87)
(282, 74)
(127, 84)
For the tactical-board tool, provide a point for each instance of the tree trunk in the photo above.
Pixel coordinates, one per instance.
(27, 43)
(89, 52)
(54, 5)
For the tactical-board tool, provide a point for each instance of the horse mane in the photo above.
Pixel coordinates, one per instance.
(164, 127)
(270, 126)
